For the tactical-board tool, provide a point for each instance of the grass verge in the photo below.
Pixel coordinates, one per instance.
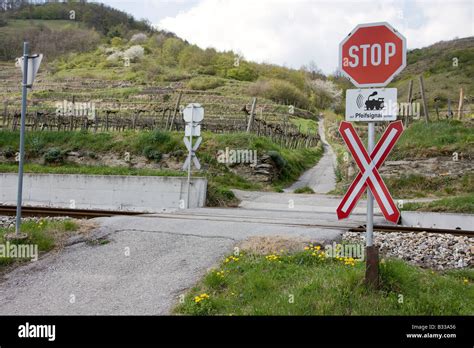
(45, 234)
(87, 170)
(303, 284)
(462, 204)
(440, 138)
(305, 189)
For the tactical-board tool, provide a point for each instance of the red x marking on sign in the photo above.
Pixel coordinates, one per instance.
(369, 174)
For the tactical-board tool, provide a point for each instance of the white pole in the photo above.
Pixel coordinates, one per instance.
(370, 197)
(22, 138)
(190, 156)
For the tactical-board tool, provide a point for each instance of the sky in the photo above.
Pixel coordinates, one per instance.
(295, 32)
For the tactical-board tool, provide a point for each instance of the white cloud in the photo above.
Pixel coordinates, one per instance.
(296, 32)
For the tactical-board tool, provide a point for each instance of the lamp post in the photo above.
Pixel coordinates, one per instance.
(29, 66)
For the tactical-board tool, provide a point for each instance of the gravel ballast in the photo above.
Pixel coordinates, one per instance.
(429, 250)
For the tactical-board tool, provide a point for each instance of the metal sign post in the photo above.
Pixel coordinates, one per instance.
(29, 66)
(370, 56)
(24, 93)
(370, 198)
(193, 114)
(190, 154)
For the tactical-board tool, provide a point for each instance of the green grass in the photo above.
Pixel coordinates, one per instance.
(204, 83)
(461, 204)
(301, 284)
(306, 126)
(88, 170)
(417, 186)
(434, 139)
(38, 142)
(305, 189)
(45, 234)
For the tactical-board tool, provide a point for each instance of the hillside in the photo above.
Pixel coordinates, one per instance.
(120, 63)
(139, 78)
(446, 67)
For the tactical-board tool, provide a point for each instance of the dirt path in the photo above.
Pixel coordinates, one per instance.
(321, 178)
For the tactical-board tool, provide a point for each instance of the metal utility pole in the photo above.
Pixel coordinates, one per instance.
(22, 138)
(190, 157)
(29, 72)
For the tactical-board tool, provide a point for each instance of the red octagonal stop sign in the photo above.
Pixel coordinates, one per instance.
(372, 54)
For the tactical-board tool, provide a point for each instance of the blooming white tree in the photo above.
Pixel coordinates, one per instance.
(115, 56)
(134, 52)
(140, 37)
(326, 93)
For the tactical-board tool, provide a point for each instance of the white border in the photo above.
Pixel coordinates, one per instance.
(390, 78)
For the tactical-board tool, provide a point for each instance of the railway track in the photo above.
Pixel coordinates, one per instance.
(76, 213)
(85, 213)
(407, 229)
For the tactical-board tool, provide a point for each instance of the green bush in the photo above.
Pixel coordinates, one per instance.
(278, 159)
(116, 41)
(9, 152)
(304, 189)
(151, 154)
(172, 47)
(54, 156)
(219, 196)
(280, 91)
(203, 83)
(174, 76)
(161, 137)
(244, 72)
(206, 70)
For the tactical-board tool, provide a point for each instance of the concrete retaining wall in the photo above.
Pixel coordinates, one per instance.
(105, 192)
(438, 220)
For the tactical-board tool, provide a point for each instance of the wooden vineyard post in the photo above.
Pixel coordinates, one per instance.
(437, 108)
(5, 114)
(167, 114)
(410, 91)
(461, 103)
(176, 109)
(251, 116)
(425, 105)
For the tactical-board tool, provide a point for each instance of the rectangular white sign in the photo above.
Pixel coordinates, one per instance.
(371, 104)
(196, 129)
